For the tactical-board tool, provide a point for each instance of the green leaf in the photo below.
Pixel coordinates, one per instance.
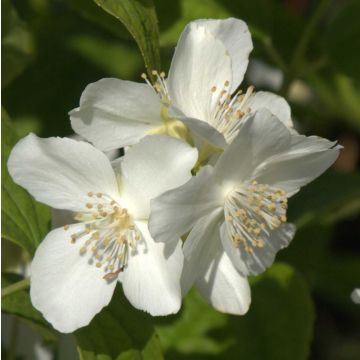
(278, 326)
(19, 304)
(90, 11)
(280, 319)
(119, 332)
(342, 44)
(24, 221)
(16, 46)
(184, 11)
(188, 332)
(332, 196)
(139, 17)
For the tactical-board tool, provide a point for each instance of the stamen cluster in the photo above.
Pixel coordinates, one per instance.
(108, 234)
(251, 212)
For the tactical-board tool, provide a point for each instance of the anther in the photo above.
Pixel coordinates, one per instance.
(66, 227)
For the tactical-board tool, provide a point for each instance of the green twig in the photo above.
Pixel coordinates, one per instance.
(269, 48)
(13, 288)
(300, 50)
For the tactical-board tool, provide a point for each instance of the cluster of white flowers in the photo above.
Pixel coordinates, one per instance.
(202, 159)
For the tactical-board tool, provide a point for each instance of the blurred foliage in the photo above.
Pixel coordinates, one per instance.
(19, 304)
(23, 221)
(139, 17)
(16, 45)
(53, 48)
(119, 332)
(200, 330)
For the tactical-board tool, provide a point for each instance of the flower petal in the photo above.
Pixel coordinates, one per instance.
(115, 113)
(261, 136)
(235, 36)
(306, 159)
(200, 63)
(151, 280)
(60, 171)
(198, 248)
(276, 104)
(176, 211)
(199, 128)
(156, 164)
(224, 288)
(209, 267)
(65, 287)
(260, 259)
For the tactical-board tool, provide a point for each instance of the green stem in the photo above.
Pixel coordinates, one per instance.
(13, 288)
(269, 47)
(300, 50)
(274, 54)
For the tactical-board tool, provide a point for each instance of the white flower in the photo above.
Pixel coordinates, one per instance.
(209, 64)
(236, 210)
(76, 268)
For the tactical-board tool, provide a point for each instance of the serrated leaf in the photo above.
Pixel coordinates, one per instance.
(23, 220)
(119, 332)
(278, 325)
(139, 17)
(19, 304)
(16, 46)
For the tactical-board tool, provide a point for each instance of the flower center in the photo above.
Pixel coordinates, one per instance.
(229, 110)
(170, 126)
(251, 212)
(109, 233)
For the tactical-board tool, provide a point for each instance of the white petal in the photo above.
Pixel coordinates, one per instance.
(65, 287)
(200, 128)
(224, 288)
(115, 113)
(60, 171)
(200, 62)
(305, 160)
(176, 211)
(235, 36)
(261, 258)
(199, 248)
(261, 136)
(155, 165)
(151, 280)
(276, 104)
